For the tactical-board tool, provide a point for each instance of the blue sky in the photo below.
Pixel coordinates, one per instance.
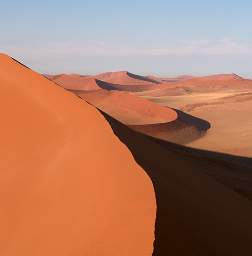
(156, 36)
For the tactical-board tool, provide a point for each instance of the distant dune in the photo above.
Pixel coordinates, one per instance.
(122, 80)
(183, 130)
(201, 84)
(75, 82)
(170, 79)
(118, 101)
(68, 186)
(129, 108)
(126, 78)
(223, 100)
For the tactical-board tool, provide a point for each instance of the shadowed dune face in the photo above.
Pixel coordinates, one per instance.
(122, 87)
(126, 78)
(202, 197)
(147, 117)
(68, 186)
(125, 81)
(129, 108)
(185, 129)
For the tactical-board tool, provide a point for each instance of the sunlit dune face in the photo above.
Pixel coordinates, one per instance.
(68, 186)
(129, 108)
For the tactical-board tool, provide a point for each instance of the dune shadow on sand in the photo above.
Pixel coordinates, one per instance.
(185, 129)
(143, 78)
(201, 124)
(105, 85)
(120, 87)
(203, 198)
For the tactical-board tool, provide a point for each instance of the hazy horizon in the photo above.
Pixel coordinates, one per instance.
(157, 37)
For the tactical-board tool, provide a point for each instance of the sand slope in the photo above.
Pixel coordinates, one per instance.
(75, 82)
(129, 108)
(67, 185)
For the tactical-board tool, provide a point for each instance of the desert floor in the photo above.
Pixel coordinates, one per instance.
(228, 113)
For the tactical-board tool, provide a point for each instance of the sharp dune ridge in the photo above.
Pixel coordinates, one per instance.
(183, 130)
(68, 185)
(129, 108)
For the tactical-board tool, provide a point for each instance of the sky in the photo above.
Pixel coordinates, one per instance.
(159, 37)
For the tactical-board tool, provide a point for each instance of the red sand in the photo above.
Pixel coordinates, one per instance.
(123, 81)
(68, 186)
(129, 108)
(76, 82)
(125, 78)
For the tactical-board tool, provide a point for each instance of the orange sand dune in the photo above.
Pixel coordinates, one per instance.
(202, 84)
(128, 80)
(185, 129)
(147, 117)
(76, 82)
(68, 186)
(124, 77)
(129, 108)
(122, 81)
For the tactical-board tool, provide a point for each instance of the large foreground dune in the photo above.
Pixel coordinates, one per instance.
(68, 186)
